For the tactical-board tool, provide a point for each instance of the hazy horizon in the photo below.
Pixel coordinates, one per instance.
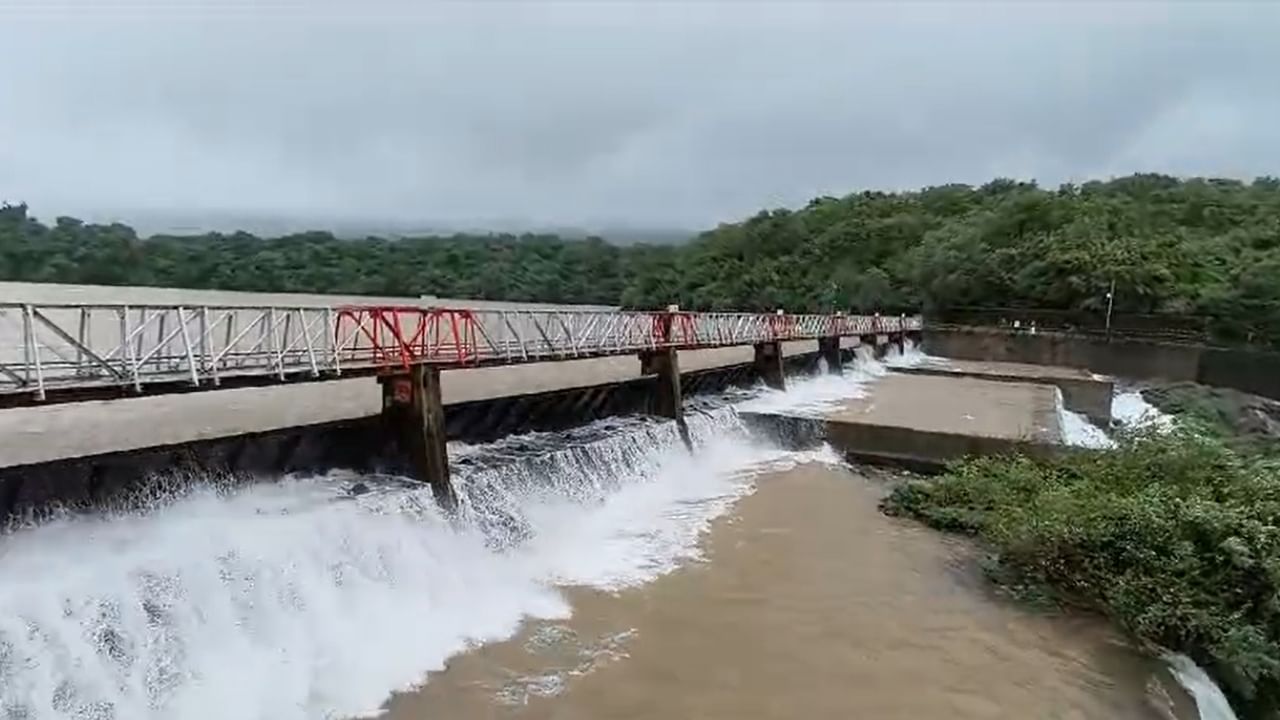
(658, 117)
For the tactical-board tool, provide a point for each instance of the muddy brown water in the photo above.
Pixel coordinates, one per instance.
(809, 603)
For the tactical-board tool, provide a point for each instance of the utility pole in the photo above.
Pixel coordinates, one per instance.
(1111, 300)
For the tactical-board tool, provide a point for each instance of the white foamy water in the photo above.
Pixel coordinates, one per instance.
(818, 394)
(1077, 430)
(910, 356)
(1130, 409)
(295, 600)
(1211, 704)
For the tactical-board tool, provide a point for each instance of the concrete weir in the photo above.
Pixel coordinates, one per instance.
(104, 452)
(768, 364)
(926, 421)
(1082, 391)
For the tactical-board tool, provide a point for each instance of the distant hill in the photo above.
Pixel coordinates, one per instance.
(151, 223)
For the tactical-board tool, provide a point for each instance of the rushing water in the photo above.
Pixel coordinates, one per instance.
(297, 599)
(811, 603)
(1128, 410)
(302, 599)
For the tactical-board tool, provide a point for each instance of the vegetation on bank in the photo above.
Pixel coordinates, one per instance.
(1174, 535)
(1198, 246)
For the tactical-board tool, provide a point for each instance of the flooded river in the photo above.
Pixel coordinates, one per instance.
(603, 572)
(807, 603)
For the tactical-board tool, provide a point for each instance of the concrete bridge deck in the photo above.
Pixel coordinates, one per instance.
(71, 352)
(130, 364)
(50, 432)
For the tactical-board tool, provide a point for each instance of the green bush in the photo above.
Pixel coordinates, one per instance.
(1172, 535)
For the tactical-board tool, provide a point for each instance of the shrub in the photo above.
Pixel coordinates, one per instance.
(1173, 535)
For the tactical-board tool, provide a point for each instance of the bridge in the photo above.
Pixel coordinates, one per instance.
(67, 352)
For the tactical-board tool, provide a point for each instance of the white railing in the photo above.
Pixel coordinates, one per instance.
(87, 347)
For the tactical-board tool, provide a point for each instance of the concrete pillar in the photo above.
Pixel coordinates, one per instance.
(902, 334)
(868, 341)
(666, 400)
(829, 350)
(413, 411)
(665, 364)
(768, 364)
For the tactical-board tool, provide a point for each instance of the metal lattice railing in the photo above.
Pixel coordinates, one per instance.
(82, 347)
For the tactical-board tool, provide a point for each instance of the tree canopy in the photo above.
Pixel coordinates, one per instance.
(496, 267)
(1201, 246)
(1198, 246)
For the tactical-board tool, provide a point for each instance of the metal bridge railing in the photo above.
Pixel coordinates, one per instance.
(70, 347)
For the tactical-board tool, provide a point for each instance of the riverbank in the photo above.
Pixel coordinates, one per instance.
(807, 603)
(1170, 533)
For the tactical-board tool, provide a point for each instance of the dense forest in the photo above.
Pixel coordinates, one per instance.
(1200, 247)
(1203, 247)
(495, 267)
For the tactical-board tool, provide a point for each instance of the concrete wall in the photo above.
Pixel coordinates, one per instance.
(923, 449)
(1252, 372)
(1092, 398)
(918, 450)
(1246, 370)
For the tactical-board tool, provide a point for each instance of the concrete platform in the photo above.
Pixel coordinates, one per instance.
(1082, 391)
(926, 421)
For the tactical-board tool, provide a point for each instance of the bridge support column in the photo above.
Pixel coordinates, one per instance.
(902, 334)
(869, 341)
(414, 413)
(666, 400)
(881, 341)
(768, 364)
(829, 350)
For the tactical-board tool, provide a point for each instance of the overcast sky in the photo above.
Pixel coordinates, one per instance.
(660, 114)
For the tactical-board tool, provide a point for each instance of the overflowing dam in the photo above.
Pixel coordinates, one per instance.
(618, 567)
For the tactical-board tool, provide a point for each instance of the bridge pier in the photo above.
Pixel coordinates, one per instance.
(666, 400)
(872, 341)
(768, 364)
(829, 351)
(413, 412)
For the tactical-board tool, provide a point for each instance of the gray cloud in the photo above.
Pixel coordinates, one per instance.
(596, 113)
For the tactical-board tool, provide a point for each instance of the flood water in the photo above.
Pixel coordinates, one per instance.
(604, 572)
(808, 603)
